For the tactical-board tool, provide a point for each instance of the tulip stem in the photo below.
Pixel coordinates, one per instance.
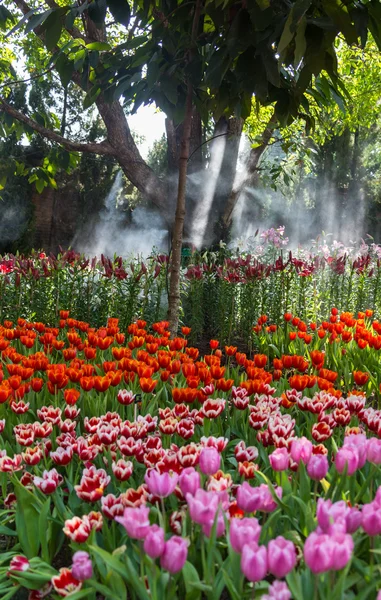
(316, 595)
(163, 512)
(253, 592)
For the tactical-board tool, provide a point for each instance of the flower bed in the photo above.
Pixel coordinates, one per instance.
(132, 466)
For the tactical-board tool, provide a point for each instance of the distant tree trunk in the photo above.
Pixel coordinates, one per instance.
(227, 133)
(195, 161)
(43, 219)
(250, 172)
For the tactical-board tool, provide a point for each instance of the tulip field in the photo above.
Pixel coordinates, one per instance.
(136, 465)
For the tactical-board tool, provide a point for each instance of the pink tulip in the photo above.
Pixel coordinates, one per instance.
(203, 506)
(210, 460)
(82, 567)
(360, 442)
(279, 459)
(371, 518)
(161, 484)
(249, 498)
(220, 526)
(328, 514)
(373, 451)
(318, 550)
(348, 457)
(254, 561)
(353, 519)
(154, 542)
(323, 552)
(301, 450)
(343, 550)
(317, 467)
(175, 554)
(268, 502)
(242, 530)
(189, 481)
(135, 521)
(278, 591)
(281, 557)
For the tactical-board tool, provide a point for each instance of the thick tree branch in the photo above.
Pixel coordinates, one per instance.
(94, 148)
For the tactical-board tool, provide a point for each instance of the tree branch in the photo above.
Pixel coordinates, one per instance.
(94, 148)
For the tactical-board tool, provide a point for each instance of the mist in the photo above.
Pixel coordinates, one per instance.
(121, 231)
(312, 205)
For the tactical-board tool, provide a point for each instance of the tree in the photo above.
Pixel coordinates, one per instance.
(192, 59)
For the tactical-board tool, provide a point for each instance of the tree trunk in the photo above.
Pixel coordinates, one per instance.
(129, 158)
(178, 227)
(43, 219)
(250, 171)
(177, 236)
(195, 161)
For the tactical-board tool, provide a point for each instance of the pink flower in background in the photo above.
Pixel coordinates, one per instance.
(279, 459)
(254, 563)
(161, 484)
(154, 542)
(281, 557)
(189, 481)
(317, 467)
(82, 567)
(242, 530)
(209, 460)
(135, 521)
(301, 450)
(175, 554)
(347, 457)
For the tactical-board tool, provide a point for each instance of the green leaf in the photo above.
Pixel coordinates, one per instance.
(5, 16)
(97, 12)
(101, 46)
(37, 20)
(191, 576)
(40, 185)
(11, 593)
(43, 526)
(91, 96)
(27, 514)
(20, 23)
(53, 28)
(169, 88)
(300, 41)
(339, 14)
(126, 571)
(3, 529)
(65, 68)
(287, 35)
(120, 10)
(103, 589)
